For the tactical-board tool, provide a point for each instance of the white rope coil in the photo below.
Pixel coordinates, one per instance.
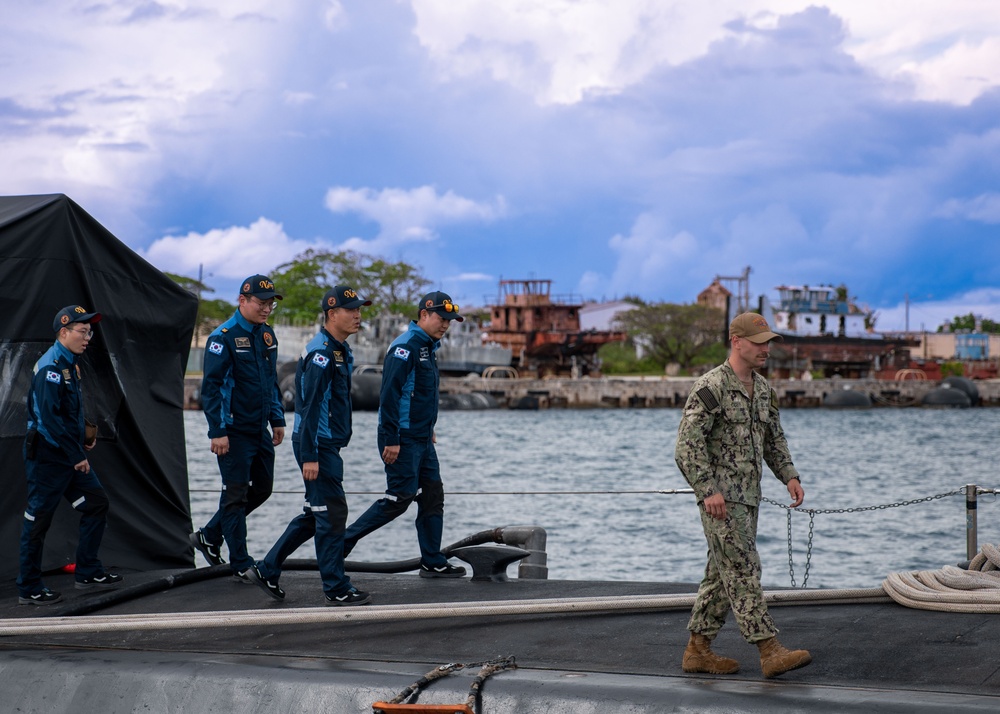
(951, 589)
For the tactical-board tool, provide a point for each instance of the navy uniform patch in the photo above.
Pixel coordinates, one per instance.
(66, 374)
(338, 355)
(708, 399)
(401, 352)
(321, 359)
(243, 342)
(51, 376)
(215, 348)
(425, 353)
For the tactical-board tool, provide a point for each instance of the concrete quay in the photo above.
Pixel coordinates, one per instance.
(645, 392)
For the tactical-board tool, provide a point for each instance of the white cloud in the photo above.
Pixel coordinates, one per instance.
(558, 51)
(959, 75)
(648, 258)
(984, 208)
(406, 216)
(470, 278)
(233, 252)
(334, 16)
(296, 99)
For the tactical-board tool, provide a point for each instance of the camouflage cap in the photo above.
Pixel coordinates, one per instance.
(753, 327)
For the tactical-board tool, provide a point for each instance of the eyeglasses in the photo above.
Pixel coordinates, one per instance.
(448, 307)
(264, 305)
(87, 334)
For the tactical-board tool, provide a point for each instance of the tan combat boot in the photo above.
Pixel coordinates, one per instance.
(699, 657)
(775, 659)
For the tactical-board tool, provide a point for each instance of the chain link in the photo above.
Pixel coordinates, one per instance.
(858, 509)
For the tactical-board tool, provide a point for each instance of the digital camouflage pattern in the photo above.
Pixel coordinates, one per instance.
(723, 438)
(732, 577)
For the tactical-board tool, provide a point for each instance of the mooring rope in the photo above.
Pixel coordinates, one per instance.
(409, 611)
(951, 589)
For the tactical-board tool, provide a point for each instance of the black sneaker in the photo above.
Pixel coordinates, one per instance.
(441, 571)
(108, 580)
(351, 597)
(271, 588)
(212, 553)
(45, 597)
(242, 578)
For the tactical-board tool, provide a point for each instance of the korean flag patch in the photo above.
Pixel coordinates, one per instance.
(402, 353)
(321, 360)
(52, 377)
(215, 348)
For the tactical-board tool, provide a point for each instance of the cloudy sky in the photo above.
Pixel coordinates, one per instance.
(617, 147)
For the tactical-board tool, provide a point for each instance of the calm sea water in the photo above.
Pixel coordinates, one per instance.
(495, 462)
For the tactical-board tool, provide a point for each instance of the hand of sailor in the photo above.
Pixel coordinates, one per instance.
(277, 434)
(796, 492)
(715, 506)
(82, 467)
(310, 470)
(390, 454)
(220, 445)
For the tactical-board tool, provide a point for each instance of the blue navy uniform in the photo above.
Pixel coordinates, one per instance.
(408, 410)
(55, 416)
(240, 398)
(322, 429)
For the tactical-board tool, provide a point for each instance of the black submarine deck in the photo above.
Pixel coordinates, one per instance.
(866, 657)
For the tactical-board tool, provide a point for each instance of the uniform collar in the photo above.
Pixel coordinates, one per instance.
(333, 340)
(734, 380)
(417, 329)
(243, 322)
(61, 351)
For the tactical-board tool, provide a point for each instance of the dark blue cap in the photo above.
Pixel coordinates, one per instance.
(259, 286)
(74, 313)
(440, 303)
(342, 296)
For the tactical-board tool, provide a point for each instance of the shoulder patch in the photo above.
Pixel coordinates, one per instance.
(320, 359)
(243, 342)
(401, 352)
(51, 376)
(708, 399)
(215, 348)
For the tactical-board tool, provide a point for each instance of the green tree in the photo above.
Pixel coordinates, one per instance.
(210, 312)
(968, 322)
(392, 287)
(674, 333)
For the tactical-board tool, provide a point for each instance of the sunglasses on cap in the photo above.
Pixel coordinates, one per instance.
(447, 306)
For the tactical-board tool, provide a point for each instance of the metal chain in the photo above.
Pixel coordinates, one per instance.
(812, 515)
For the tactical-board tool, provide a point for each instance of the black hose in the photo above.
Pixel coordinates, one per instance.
(132, 592)
(197, 575)
(494, 535)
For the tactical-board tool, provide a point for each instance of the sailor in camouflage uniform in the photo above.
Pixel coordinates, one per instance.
(730, 425)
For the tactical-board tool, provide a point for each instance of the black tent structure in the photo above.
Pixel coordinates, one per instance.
(53, 254)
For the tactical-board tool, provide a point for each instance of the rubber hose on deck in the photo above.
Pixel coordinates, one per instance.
(131, 592)
(197, 575)
(494, 535)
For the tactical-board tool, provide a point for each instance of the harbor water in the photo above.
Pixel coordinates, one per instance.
(590, 478)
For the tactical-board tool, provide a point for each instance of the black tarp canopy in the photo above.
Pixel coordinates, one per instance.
(53, 254)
